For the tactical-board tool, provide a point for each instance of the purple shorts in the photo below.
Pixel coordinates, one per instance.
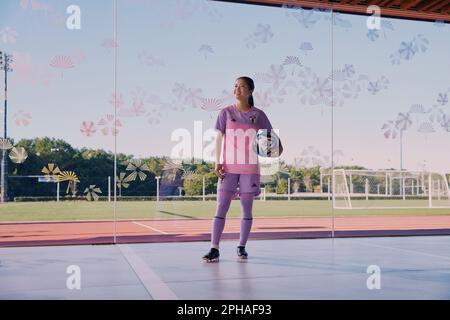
(240, 183)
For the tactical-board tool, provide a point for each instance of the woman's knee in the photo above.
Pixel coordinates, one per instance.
(224, 199)
(247, 205)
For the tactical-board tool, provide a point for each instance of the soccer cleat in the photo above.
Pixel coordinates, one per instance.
(212, 256)
(242, 254)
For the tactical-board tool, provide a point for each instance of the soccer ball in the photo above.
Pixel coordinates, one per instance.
(266, 144)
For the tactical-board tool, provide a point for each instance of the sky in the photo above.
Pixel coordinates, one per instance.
(178, 60)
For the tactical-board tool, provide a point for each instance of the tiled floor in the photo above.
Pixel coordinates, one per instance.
(411, 268)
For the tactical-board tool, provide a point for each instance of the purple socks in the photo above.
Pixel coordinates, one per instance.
(247, 219)
(223, 204)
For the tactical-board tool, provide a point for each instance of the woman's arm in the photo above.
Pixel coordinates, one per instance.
(218, 168)
(219, 139)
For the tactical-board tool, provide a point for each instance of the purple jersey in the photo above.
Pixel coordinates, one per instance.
(239, 130)
(253, 116)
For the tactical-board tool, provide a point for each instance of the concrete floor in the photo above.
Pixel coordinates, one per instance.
(411, 268)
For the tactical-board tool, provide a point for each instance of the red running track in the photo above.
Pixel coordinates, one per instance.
(173, 230)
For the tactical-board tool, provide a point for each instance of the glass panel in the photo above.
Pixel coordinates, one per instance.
(391, 90)
(58, 148)
(173, 86)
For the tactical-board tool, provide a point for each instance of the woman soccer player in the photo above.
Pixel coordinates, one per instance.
(237, 126)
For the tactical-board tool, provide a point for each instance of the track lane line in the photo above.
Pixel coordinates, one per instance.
(148, 227)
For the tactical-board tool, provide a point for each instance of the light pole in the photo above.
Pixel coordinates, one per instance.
(402, 123)
(402, 181)
(5, 65)
(157, 188)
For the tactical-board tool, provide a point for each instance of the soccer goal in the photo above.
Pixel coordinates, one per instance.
(389, 189)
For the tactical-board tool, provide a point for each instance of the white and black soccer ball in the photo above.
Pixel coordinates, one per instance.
(267, 144)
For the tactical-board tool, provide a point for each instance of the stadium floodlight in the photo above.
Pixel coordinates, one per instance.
(5, 65)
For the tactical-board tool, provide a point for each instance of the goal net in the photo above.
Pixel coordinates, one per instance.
(384, 189)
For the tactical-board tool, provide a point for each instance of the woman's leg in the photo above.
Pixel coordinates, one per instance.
(249, 188)
(247, 217)
(223, 204)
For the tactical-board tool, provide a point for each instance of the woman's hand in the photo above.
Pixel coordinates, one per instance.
(219, 171)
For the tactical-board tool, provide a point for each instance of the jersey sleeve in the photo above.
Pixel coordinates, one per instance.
(221, 121)
(264, 122)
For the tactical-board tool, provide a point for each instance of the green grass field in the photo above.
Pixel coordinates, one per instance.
(83, 210)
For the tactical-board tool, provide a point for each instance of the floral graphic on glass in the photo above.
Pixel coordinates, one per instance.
(88, 128)
(206, 50)
(306, 18)
(262, 34)
(8, 35)
(117, 100)
(62, 63)
(51, 172)
(275, 75)
(390, 130)
(109, 125)
(445, 123)
(435, 114)
(211, 104)
(305, 47)
(122, 182)
(426, 127)
(263, 99)
(22, 118)
(403, 121)
(193, 97)
(92, 193)
(138, 170)
(292, 60)
(71, 177)
(18, 155)
(408, 49)
(442, 99)
(5, 144)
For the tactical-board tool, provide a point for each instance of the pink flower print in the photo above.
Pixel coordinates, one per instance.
(22, 118)
(88, 128)
(109, 125)
(78, 56)
(211, 104)
(62, 62)
(22, 66)
(116, 100)
(137, 109)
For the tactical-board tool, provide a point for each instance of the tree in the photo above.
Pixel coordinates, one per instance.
(282, 186)
(155, 164)
(211, 183)
(296, 178)
(193, 185)
(311, 178)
